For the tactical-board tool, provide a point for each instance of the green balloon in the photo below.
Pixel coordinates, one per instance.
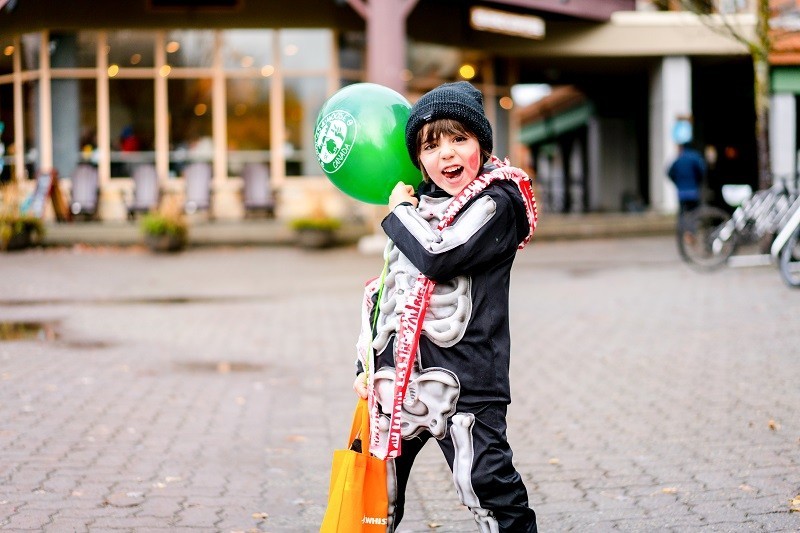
(360, 141)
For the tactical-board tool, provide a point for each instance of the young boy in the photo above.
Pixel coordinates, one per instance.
(436, 344)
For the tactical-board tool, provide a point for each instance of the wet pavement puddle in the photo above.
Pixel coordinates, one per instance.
(44, 331)
(27, 330)
(219, 367)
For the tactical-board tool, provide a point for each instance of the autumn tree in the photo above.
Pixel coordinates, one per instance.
(759, 44)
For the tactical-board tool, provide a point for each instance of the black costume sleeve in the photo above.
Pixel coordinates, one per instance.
(486, 229)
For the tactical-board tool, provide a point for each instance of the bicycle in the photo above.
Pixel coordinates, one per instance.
(708, 236)
(785, 249)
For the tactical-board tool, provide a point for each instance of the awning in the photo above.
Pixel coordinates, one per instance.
(785, 79)
(550, 127)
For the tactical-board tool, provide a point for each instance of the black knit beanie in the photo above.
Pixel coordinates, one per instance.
(458, 101)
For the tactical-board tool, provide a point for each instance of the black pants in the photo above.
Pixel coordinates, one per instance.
(479, 456)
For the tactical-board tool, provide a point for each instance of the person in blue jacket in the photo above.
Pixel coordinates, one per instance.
(437, 333)
(688, 171)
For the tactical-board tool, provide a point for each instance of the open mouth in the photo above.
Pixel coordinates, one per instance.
(452, 172)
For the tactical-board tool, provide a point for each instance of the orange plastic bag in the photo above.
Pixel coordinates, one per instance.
(357, 500)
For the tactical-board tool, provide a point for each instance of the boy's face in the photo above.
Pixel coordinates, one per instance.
(452, 161)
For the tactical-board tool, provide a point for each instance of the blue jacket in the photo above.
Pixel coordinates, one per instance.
(687, 172)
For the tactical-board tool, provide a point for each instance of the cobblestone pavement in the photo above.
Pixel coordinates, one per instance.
(206, 391)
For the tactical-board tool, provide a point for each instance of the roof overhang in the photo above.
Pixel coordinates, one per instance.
(582, 9)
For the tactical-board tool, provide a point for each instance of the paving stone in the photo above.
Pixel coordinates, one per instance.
(216, 383)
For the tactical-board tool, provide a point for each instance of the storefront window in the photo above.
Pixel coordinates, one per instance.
(131, 49)
(304, 98)
(248, 49)
(190, 131)
(7, 50)
(30, 110)
(74, 123)
(189, 48)
(352, 57)
(438, 64)
(30, 51)
(305, 49)
(6, 132)
(248, 122)
(131, 112)
(73, 50)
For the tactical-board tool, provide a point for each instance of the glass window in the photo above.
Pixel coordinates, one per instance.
(73, 50)
(352, 50)
(131, 49)
(30, 110)
(6, 131)
(248, 49)
(248, 122)
(132, 122)
(304, 98)
(30, 51)
(190, 129)
(442, 63)
(74, 123)
(7, 50)
(190, 48)
(305, 49)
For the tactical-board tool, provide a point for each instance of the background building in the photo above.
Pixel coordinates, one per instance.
(227, 83)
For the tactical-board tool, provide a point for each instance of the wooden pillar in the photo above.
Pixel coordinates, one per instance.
(103, 112)
(219, 116)
(45, 105)
(161, 110)
(277, 123)
(386, 39)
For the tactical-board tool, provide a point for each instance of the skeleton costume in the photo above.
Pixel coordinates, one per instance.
(446, 375)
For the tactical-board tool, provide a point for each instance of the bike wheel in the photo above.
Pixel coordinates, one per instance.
(790, 260)
(705, 239)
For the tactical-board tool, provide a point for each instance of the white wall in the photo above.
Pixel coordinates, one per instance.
(670, 97)
(783, 134)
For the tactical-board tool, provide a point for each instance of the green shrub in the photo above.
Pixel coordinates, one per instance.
(158, 224)
(316, 223)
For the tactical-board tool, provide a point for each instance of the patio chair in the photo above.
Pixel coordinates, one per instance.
(198, 188)
(257, 191)
(85, 192)
(146, 190)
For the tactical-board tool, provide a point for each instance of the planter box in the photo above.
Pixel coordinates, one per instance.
(315, 238)
(165, 243)
(18, 241)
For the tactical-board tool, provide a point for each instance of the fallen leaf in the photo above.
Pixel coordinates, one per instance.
(260, 516)
(774, 426)
(296, 438)
(125, 499)
(555, 461)
(669, 490)
(795, 505)
(745, 487)
(433, 525)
